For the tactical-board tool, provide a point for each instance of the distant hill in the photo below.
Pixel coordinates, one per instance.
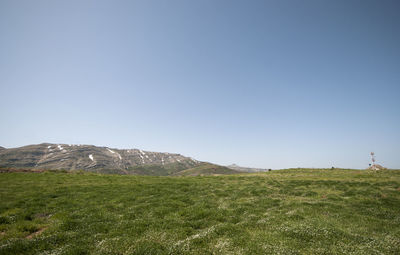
(206, 169)
(246, 169)
(95, 159)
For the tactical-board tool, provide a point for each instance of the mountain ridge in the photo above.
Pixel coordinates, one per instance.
(206, 169)
(100, 159)
(246, 169)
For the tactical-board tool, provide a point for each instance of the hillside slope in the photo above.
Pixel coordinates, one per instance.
(206, 169)
(246, 169)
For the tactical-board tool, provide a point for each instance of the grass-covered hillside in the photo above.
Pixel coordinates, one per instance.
(278, 212)
(206, 169)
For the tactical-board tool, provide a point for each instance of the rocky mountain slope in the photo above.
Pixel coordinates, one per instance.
(96, 159)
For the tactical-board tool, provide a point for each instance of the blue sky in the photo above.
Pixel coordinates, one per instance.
(271, 84)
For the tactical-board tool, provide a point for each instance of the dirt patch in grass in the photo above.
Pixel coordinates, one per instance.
(42, 215)
(36, 233)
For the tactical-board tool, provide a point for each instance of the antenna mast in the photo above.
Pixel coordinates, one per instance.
(373, 160)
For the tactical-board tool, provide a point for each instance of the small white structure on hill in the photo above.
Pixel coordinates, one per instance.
(374, 166)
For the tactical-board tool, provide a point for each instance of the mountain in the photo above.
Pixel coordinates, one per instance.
(95, 159)
(206, 169)
(47, 156)
(246, 169)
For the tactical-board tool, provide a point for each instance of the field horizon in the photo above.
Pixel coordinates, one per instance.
(292, 211)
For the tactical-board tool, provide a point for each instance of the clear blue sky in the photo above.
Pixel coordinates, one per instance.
(271, 84)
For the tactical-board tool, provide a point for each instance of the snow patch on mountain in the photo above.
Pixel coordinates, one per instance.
(113, 152)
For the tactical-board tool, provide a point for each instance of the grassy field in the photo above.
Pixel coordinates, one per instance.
(295, 211)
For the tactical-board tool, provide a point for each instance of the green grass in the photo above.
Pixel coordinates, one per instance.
(279, 212)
